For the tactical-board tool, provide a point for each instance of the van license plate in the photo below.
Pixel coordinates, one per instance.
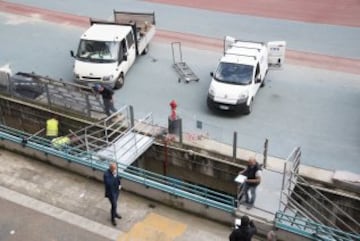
(223, 107)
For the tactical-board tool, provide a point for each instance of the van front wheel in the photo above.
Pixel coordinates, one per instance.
(248, 109)
(119, 82)
(263, 81)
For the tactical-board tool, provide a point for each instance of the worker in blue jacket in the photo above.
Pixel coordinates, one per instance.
(112, 189)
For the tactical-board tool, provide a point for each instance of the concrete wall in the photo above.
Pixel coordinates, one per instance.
(140, 189)
(54, 160)
(191, 167)
(30, 118)
(320, 203)
(179, 202)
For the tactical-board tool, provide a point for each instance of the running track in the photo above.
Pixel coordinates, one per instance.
(337, 12)
(293, 57)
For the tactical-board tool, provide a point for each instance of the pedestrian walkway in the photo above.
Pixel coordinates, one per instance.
(155, 227)
(267, 197)
(80, 202)
(60, 221)
(22, 216)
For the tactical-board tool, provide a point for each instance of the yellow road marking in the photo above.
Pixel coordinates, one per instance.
(154, 228)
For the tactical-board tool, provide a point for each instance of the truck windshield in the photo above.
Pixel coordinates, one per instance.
(239, 74)
(98, 51)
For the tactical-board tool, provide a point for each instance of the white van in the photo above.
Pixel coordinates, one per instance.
(241, 72)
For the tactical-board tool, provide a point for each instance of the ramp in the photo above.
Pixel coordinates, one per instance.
(117, 138)
(127, 149)
(267, 197)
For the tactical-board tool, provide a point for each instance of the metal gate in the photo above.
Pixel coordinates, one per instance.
(51, 93)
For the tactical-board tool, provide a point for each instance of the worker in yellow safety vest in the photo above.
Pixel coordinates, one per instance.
(52, 128)
(61, 142)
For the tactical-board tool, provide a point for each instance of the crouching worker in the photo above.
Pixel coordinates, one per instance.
(63, 142)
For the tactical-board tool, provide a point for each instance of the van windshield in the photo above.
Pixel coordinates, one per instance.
(239, 74)
(98, 51)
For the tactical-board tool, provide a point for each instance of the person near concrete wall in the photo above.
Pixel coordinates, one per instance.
(112, 190)
(253, 173)
(52, 127)
(64, 142)
(107, 96)
(245, 231)
(61, 142)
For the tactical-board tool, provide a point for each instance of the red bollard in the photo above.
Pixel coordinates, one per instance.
(174, 122)
(173, 106)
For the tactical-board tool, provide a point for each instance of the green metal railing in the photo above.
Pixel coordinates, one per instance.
(311, 230)
(308, 212)
(170, 185)
(179, 188)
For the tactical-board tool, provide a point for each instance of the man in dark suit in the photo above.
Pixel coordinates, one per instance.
(112, 189)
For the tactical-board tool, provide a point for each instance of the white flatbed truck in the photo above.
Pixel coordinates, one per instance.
(241, 71)
(107, 49)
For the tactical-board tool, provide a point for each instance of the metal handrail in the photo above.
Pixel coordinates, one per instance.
(289, 197)
(309, 208)
(90, 159)
(333, 205)
(310, 228)
(178, 184)
(329, 210)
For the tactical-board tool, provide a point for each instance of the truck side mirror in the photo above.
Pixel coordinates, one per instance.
(72, 53)
(125, 57)
(258, 79)
(212, 74)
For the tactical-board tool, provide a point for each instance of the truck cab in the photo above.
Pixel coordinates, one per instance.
(107, 50)
(105, 54)
(241, 72)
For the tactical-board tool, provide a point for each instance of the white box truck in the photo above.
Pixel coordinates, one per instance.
(241, 71)
(107, 49)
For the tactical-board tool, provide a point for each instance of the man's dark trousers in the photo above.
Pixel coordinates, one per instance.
(113, 201)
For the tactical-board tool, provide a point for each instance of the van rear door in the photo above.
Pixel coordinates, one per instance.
(228, 41)
(276, 53)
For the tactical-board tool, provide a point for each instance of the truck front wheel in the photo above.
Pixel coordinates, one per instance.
(146, 50)
(119, 82)
(263, 81)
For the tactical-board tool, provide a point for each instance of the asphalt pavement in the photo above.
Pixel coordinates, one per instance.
(305, 36)
(316, 109)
